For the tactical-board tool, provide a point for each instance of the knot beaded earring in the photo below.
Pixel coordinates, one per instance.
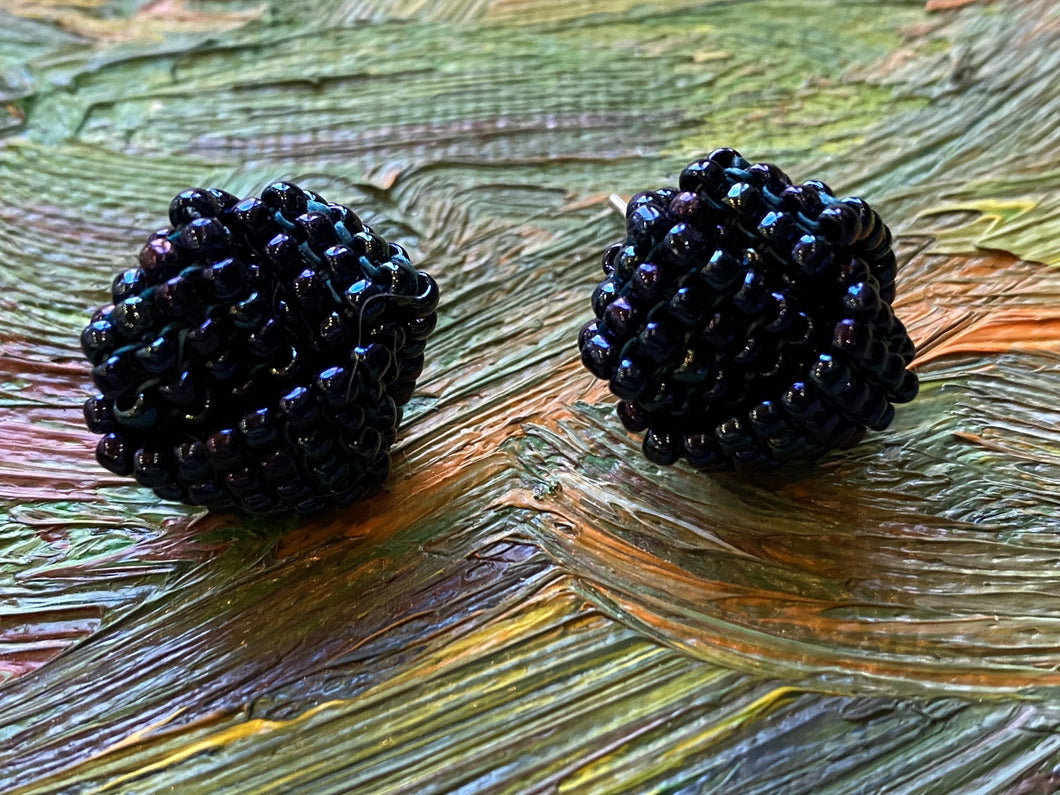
(258, 357)
(746, 321)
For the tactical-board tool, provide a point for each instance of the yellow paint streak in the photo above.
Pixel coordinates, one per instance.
(673, 756)
(150, 23)
(210, 742)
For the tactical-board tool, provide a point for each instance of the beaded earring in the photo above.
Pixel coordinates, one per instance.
(258, 358)
(746, 321)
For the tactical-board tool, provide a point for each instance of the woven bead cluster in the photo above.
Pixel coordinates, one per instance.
(258, 357)
(746, 321)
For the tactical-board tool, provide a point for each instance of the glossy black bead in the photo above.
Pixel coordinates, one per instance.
(701, 450)
(778, 229)
(159, 259)
(682, 245)
(99, 339)
(99, 415)
(721, 271)
(179, 295)
(839, 224)
(689, 305)
(744, 199)
(726, 157)
(191, 205)
(647, 283)
(202, 234)
(660, 341)
(811, 255)
(299, 407)
(317, 229)
(620, 317)
(115, 454)
(702, 176)
(632, 416)
(661, 448)
(115, 375)
(133, 316)
(224, 279)
(285, 197)
(602, 296)
(184, 391)
(646, 225)
(629, 380)
(159, 355)
(224, 449)
(768, 176)
(151, 467)
(205, 338)
(752, 293)
(128, 283)
(249, 311)
(598, 356)
(282, 255)
(367, 302)
(250, 216)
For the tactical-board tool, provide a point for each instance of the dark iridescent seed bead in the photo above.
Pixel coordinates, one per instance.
(248, 312)
(115, 375)
(184, 391)
(224, 450)
(366, 300)
(159, 355)
(191, 205)
(702, 176)
(205, 338)
(114, 453)
(619, 317)
(629, 380)
(647, 283)
(317, 229)
(259, 429)
(191, 460)
(151, 467)
(661, 448)
(726, 157)
(839, 224)
(99, 415)
(133, 316)
(633, 417)
(159, 259)
(128, 283)
(290, 200)
(720, 271)
(598, 355)
(743, 199)
(647, 225)
(178, 296)
(98, 340)
(224, 279)
(201, 234)
(660, 341)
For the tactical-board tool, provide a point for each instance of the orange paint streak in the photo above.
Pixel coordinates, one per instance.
(1004, 332)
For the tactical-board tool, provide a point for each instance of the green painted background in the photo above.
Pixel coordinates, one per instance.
(530, 607)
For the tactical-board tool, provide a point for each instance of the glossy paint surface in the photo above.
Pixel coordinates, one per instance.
(530, 606)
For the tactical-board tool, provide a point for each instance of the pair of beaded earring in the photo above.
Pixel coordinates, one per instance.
(258, 358)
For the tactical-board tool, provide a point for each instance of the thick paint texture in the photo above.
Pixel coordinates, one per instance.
(530, 606)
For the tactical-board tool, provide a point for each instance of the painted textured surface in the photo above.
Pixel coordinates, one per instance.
(529, 606)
